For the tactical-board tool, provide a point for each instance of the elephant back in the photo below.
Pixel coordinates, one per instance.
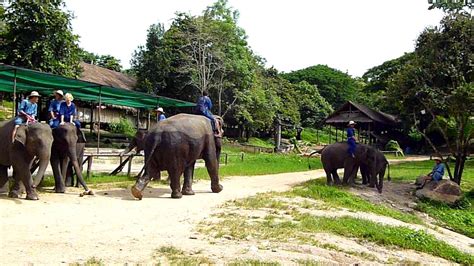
(193, 126)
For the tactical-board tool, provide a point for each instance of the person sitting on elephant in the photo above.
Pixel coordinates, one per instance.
(53, 109)
(351, 139)
(436, 174)
(203, 107)
(67, 111)
(160, 114)
(27, 112)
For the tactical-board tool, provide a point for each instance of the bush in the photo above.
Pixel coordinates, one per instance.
(393, 145)
(124, 126)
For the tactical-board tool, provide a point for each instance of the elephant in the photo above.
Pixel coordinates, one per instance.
(174, 145)
(64, 149)
(80, 147)
(381, 164)
(137, 143)
(336, 156)
(30, 142)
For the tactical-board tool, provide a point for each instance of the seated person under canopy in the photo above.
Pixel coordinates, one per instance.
(54, 106)
(27, 111)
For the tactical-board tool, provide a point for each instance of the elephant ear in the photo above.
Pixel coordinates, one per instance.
(20, 135)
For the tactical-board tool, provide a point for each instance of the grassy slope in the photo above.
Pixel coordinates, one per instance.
(459, 219)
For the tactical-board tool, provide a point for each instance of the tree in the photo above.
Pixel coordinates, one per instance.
(451, 5)
(313, 107)
(335, 86)
(39, 36)
(109, 62)
(435, 91)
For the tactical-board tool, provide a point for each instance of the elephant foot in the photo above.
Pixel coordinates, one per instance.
(188, 192)
(32, 196)
(15, 194)
(371, 185)
(137, 193)
(176, 195)
(217, 188)
(59, 190)
(85, 193)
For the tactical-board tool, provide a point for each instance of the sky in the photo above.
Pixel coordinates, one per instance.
(348, 35)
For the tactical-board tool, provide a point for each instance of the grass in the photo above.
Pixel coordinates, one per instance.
(339, 197)
(91, 262)
(459, 219)
(177, 256)
(321, 136)
(252, 262)
(265, 143)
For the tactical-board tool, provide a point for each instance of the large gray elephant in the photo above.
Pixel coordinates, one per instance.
(137, 143)
(336, 156)
(30, 141)
(174, 145)
(64, 149)
(381, 164)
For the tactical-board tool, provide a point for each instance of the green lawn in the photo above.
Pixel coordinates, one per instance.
(459, 218)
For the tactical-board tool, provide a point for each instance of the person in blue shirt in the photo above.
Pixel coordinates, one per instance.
(438, 170)
(160, 114)
(67, 111)
(204, 106)
(27, 112)
(53, 109)
(351, 139)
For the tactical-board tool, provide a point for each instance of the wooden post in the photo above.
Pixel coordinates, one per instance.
(148, 122)
(278, 135)
(138, 119)
(330, 135)
(336, 133)
(92, 118)
(130, 165)
(98, 124)
(89, 166)
(14, 94)
(226, 158)
(242, 156)
(317, 136)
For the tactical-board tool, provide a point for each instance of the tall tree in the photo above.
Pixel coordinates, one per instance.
(39, 36)
(109, 62)
(335, 86)
(436, 89)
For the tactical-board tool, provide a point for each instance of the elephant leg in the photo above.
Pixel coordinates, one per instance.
(380, 183)
(349, 167)
(59, 186)
(3, 176)
(174, 175)
(212, 166)
(69, 176)
(188, 180)
(64, 164)
(328, 178)
(80, 178)
(15, 189)
(336, 178)
(22, 171)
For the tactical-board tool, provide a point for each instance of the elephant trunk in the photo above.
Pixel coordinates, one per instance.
(43, 164)
(77, 168)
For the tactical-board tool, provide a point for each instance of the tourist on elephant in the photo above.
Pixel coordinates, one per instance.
(53, 109)
(204, 106)
(160, 114)
(351, 139)
(67, 111)
(27, 111)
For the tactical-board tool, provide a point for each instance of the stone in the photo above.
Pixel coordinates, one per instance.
(445, 191)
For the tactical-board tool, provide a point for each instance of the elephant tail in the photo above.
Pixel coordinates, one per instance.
(388, 176)
(311, 154)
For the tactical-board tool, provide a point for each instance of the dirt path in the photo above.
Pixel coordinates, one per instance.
(114, 227)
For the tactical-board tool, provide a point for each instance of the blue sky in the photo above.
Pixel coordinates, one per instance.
(348, 35)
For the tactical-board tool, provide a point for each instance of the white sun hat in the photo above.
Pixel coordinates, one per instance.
(160, 109)
(59, 92)
(34, 94)
(351, 123)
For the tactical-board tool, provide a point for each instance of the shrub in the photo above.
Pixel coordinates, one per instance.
(124, 126)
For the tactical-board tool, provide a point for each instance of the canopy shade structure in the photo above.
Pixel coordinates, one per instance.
(25, 80)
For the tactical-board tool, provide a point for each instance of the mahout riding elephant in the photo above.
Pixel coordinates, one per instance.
(336, 156)
(381, 164)
(64, 149)
(174, 145)
(30, 141)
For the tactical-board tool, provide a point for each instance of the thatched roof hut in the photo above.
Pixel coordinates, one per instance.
(104, 76)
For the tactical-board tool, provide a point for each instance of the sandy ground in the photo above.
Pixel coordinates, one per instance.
(114, 227)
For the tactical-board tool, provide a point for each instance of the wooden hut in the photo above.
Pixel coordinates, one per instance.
(373, 127)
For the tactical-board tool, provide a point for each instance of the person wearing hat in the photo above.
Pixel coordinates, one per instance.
(54, 108)
(436, 174)
(351, 139)
(27, 111)
(203, 107)
(160, 114)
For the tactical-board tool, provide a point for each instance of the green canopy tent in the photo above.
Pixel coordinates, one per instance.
(16, 79)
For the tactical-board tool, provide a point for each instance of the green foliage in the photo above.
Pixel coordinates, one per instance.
(333, 85)
(451, 5)
(105, 61)
(336, 197)
(313, 107)
(393, 145)
(38, 35)
(124, 126)
(261, 142)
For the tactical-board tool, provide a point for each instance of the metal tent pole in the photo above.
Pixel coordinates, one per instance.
(98, 124)
(14, 93)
